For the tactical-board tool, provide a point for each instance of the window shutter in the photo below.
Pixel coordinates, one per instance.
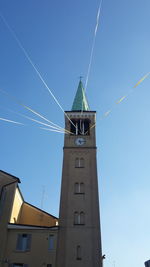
(19, 242)
(28, 242)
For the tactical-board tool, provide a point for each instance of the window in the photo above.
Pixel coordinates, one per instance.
(80, 127)
(79, 188)
(76, 218)
(78, 252)
(79, 218)
(23, 242)
(51, 242)
(82, 218)
(79, 163)
(76, 188)
(82, 188)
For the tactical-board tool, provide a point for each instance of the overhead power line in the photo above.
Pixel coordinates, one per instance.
(33, 65)
(93, 43)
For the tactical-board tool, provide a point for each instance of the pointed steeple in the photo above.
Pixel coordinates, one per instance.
(80, 102)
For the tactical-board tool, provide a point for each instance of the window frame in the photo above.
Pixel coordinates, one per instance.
(79, 162)
(79, 218)
(23, 242)
(79, 188)
(51, 242)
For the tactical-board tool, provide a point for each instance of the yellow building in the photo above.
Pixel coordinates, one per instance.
(30, 237)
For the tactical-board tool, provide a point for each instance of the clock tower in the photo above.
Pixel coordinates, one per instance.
(79, 237)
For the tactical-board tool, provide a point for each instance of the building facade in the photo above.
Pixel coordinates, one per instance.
(31, 237)
(28, 235)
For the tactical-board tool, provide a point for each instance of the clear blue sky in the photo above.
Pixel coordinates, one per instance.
(58, 36)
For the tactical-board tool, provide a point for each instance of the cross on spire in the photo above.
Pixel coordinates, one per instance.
(80, 77)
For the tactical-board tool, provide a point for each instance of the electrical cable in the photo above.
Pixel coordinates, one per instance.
(33, 65)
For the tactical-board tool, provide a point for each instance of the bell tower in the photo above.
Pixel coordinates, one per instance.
(79, 237)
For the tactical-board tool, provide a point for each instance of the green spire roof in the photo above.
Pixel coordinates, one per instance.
(80, 102)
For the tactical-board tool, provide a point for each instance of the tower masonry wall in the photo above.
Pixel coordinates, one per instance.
(79, 239)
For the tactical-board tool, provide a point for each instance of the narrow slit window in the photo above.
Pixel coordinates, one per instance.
(82, 188)
(82, 218)
(77, 162)
(51, 242)
(79, 253)
(81, 162)
(76, 188)
(76, 218)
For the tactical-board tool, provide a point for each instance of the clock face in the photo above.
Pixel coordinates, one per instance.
(80, 141)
